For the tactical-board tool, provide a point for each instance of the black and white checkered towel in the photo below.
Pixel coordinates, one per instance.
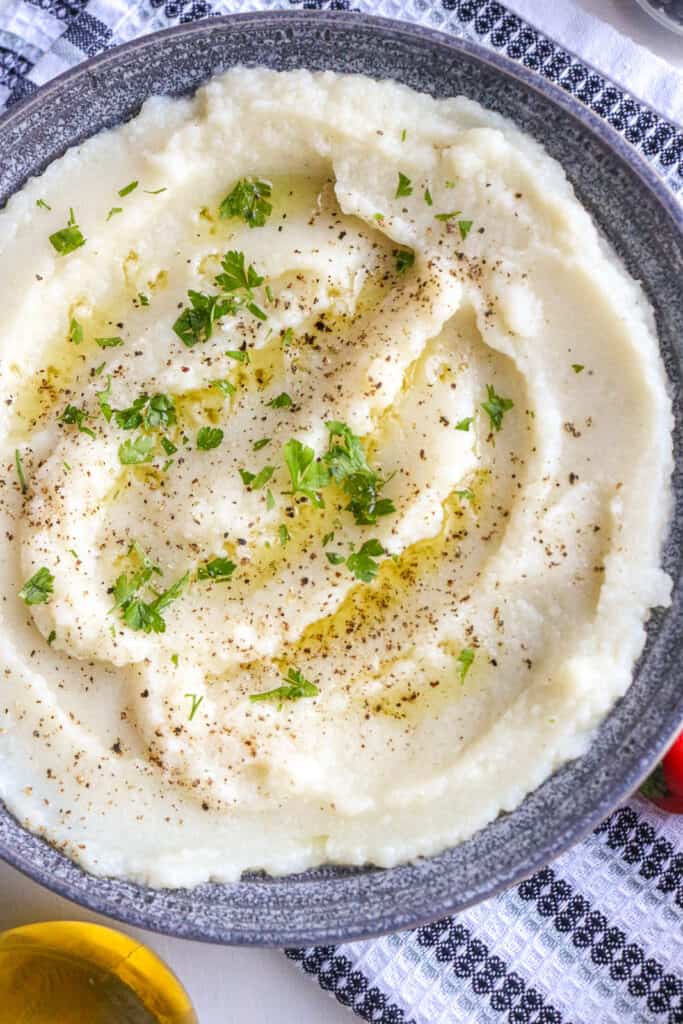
(596, 938)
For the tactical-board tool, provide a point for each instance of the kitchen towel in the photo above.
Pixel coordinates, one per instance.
(597, 936)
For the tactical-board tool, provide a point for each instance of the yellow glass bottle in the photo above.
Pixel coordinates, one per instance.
(68, 972)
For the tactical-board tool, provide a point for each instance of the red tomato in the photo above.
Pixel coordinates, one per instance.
(673, 767)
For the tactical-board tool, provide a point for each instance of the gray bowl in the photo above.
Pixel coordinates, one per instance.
(644, 223)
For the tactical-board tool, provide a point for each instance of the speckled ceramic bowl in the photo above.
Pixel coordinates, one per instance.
(645, 225)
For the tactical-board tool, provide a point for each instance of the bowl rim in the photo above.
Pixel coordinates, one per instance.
(95, 896)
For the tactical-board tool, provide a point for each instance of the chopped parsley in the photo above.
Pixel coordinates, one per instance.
(464, 662)
(238, 354)
(143, 299)
(196, 701)
(466, 494)
(209, 437)
(288, 337)
(114, 210)
(145, 615)
(195, 324)
(67, 239)
(308, 475)
(77, 417)
(103, 400)
(20, 471)
(258, 445)
(577, 367)
(224, 386)
(296, 686)
(152, 413)
(363, 563)
(447, 216)
(75, 332)
(334, 558)
(248, 200)
(404, 134)
(257, 480)
(270, 500)
(127, 189)
(217, 569)
(237, 277)
(109, 342)
(51, 637)
(168, 447)
(38, 588)
(282, 401)
(428, 198)
(349, 467)
(137, 451)
(464, 424)
(283, 534)
(155, 191)
(42, 204)
(404, 187)
(465, 226)
(496, 407)
(405, 258)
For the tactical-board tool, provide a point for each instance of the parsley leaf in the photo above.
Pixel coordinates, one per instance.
(404, 187)
(109, 342)
(152, 413)
(76, 416)
(363, 564)
(464, 661)
(209, 437)
(103, 399)
(428, 198)
(465, 226)
(283, 534)
(237, 277)
(42, 204)
(218, 569)
(68, 239)
(75, 332)
(258, 445)
(238, 354)
(195, 324)
(248, 200)
(446, 216)
(350, 469)
(127, 189)
(38, 588)
(496, 407)
(308, 476)
(114, 210)
(577, 367)
(405, 258)
(224, 386)
(282, 401)
(144, 615)
(196, 701)
(168, 447)
(464, 424)
(296, 686)
(287, 337)
(334, 558)
(270, 500)
(20, 471)
(132, 453)
(257, 480)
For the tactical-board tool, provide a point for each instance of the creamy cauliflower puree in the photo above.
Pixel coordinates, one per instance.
(337, 452)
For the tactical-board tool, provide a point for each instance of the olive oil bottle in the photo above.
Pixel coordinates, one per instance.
(68, 972)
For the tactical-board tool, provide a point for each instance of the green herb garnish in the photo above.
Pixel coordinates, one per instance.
(195, 324)
(77, 417)
(283, 534)
(447, 216)
(75, 332)
(349, 467)
(103, 399)
(257, 480)
(20, 471)
(464, 661)
(465, 226)
(242, 279)
(428, 198)
(196, 701)
(38, 588)
(404, 187)
(296, 687)
(109, 342)
(496, 407)
(308, 475)
(363, 564)
(464, 424)
(152, 413)
(577, 367)
(137, 451)
(127, 189)
(405, 258)
(282, 401)
(224, 386)
(114, 210)
(258, 445)
(42, 204)
(248, 200)
(218, 569)
(68, 239)
(209, 437)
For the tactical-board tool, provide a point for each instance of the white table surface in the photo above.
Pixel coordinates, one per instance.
(249, 986)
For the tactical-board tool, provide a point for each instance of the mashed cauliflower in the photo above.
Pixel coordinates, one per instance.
(336, 447)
